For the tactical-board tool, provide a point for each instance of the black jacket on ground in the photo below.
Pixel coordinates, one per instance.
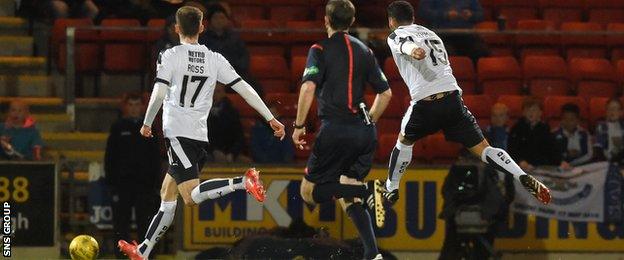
(536, 144)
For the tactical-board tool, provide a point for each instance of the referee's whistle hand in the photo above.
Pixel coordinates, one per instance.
(297, 138)
(278, 129)
(146, 131)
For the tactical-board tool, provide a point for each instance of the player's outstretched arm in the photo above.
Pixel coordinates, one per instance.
(306, 96)
(253, 99)
(380, 104)
(155, 102)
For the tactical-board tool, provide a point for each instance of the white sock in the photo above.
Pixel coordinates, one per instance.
(160, 223)
(400, 158)
(500, 160)
(216, 188)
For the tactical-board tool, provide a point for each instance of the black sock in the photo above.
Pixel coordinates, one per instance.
(362, 221)
(327, 192)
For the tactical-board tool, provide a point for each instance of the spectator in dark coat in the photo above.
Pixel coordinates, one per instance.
(264, 147)
(132, 166)
(530, 140)
(573, 142)
(225, 130)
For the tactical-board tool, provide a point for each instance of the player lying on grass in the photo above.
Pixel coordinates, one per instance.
(437, 104)
(186, 78)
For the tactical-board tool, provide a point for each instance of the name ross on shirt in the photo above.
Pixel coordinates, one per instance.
(196, 57)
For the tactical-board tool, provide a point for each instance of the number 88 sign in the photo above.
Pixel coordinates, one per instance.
(15, 189)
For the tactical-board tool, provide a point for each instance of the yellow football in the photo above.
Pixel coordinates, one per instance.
(84, 247)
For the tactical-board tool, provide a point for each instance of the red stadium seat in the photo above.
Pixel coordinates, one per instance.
(514, 104)
(247, 12)
(394, 110)
(282, 14)
(275, 86)
(300, 50)
(541, 45)
(497, 43)
(126, 50)
(387, 143)
(399, 90)
(500, 76)
(388, 126)
(559, 11)
(581, 46)
(546, 76)
(464, 72)
(87, 51)
(244, 109)
(314, 31)
(266, 50)
(616, 41)
(620, 71)
(287, 103)
(594, 77)
(552, 106)
(391, 70)
(597, 110)
(606, 16)
(157, 27)
(514, 14)
(262, 32)
(441, 151)
(479, 105)
(297, 66)
(269, 67)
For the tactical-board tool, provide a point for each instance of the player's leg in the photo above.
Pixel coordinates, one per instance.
(363, 223)
(500, 160)
(196, 193)
(159, 224)
(414, 126)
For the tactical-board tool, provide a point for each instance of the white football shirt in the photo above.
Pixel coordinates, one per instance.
(428, 76)
(191, 71)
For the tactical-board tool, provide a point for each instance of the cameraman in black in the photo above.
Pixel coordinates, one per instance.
(476, 201)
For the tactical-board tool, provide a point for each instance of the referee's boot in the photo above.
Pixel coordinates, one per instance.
(130, 250)
(374, 202)
(253, 184)
(536, 188)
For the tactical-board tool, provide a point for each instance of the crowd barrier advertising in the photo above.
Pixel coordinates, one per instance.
(28, 198)
(411, 225)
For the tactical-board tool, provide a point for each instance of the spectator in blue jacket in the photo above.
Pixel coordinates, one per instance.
(610, 132)
(497, 133)
(456, 14)
(573, 141)
(265, 148)
(19, 138)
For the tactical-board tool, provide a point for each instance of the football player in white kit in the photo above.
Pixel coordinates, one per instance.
(437, 104)
(186, 77)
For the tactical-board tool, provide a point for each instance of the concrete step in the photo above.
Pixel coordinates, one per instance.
(7, 7)
(16, 46)
(75, 141)
(53, 122)
(14, 26)
(26, 86)
(76, 156)
(23, 65)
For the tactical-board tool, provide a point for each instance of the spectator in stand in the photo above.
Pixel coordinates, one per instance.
(74, 8)
(497, 133)
(19, 138)
(170, 38)
(530, 140)
(573, 142)
(264, 147)
(609, 133)
(132, 165)
(456, 14)
(219, 37)
(225, 131)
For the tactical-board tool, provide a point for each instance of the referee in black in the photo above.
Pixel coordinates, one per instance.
(337, 71)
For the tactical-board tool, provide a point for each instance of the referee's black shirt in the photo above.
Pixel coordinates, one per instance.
(340, 66)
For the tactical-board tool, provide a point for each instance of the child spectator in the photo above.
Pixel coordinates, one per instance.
(573, 142)
(530, 140)
(497, 133)
(19, 138)
(609, 133)
(265, 148)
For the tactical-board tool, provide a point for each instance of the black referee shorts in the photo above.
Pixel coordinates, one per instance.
(448, 114)
(342, 148)
(186, 158)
